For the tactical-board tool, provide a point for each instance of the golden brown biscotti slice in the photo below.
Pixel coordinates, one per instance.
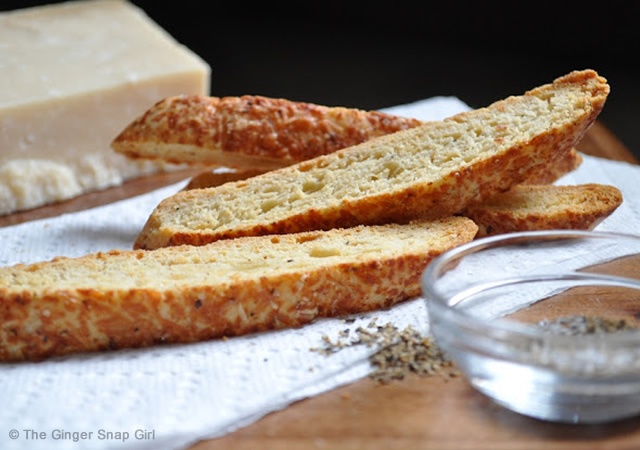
(215, 176)
(433, 170)
(557, 168)
(248, 132)
(254, 134)
(545, 207)
(125, 299)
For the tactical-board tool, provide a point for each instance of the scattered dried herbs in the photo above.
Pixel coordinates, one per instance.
(400, 352)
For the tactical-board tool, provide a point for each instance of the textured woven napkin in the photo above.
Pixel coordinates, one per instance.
(170, 397)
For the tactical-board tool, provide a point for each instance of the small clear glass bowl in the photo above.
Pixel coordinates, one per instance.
(543, 323)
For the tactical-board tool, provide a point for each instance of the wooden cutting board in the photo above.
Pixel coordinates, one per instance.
(416, 413)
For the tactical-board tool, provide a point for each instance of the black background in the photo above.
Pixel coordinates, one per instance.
(373, 55)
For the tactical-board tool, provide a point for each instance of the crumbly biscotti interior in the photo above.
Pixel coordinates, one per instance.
(234, 260)
(182, 294)
(388, 164)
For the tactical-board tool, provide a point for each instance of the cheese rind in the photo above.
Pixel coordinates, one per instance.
(75, 74)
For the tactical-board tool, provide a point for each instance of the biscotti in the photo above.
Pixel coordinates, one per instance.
(216, 176)
(248, 132)
(433, 170)
(524, 207)
(556, 169)
(255, 134)
(123, 299)
(545, 207)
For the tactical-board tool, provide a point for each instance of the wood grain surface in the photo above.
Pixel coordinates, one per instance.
(415, 413)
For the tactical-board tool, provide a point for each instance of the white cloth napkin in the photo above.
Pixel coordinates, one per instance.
(170, 397)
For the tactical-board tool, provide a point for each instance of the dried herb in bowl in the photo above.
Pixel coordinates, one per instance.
(575, 325)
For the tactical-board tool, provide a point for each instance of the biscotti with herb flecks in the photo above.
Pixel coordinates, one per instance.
(433, 170)
(137, 298)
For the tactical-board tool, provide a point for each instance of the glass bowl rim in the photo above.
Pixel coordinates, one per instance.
(437, 303)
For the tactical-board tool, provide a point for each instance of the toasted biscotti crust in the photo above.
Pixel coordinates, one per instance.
(546, 207)
(433, 170)
(185, 294)
(254, 134)
(249, 132)
(556, 168)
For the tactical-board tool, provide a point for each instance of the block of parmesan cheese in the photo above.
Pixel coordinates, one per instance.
(74, 74)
